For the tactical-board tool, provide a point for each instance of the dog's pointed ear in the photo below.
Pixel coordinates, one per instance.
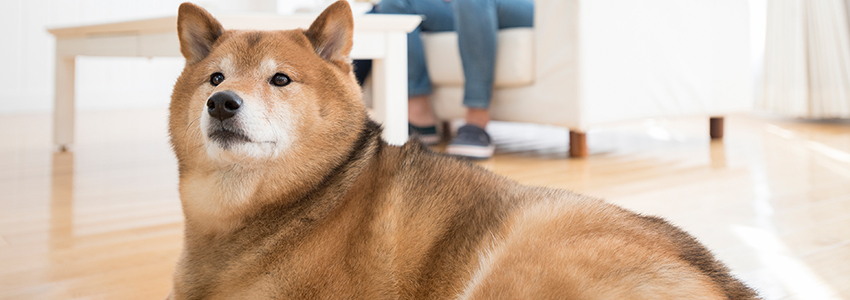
(331, 33)
(198, 30)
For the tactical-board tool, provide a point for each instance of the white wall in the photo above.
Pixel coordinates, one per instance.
(26, 57)
(758, 31)
(26, 53)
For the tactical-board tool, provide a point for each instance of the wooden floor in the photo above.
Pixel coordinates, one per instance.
(104, 221)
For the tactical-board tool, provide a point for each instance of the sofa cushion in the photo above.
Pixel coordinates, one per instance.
(514, 58)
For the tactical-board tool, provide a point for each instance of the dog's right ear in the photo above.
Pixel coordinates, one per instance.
(331, 33)
(198, 30)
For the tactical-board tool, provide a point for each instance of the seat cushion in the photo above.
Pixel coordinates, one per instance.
(514, 58)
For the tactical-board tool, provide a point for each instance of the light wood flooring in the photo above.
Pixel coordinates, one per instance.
(104, 221)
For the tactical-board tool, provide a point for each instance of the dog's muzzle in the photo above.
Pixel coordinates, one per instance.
(224, 105)
(225, 129)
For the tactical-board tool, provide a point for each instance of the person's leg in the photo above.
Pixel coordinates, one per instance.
(511, 14)
(419, 82)
(515, 13)
(438, 16)
(477, 23)
(420, 113)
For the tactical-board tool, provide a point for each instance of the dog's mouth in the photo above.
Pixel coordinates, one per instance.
(228, 137)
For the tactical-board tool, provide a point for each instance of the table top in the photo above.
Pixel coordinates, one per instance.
(369, 22)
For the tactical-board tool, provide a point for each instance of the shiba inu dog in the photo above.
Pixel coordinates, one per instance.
(290, 193)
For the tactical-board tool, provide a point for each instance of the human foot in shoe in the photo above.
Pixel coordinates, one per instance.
(471, 142)
(428, 135)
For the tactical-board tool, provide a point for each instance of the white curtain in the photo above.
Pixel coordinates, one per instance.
(807, 59)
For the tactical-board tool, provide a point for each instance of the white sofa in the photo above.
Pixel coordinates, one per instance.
(590, 62)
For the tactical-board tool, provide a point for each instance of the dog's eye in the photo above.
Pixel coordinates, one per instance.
(280, 79)
(216, 78)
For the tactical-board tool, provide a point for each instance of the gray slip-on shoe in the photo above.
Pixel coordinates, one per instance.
(471, 142)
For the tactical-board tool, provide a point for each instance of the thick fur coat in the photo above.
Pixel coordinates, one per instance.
(290, 193)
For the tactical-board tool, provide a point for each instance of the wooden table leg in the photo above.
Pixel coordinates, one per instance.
(63, 110)
(578, 144)
(715, 128)
(389, 89)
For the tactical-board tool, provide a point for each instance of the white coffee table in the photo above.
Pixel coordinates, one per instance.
(381, 38)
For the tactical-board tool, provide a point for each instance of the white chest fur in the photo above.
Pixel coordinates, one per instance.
(218, 197)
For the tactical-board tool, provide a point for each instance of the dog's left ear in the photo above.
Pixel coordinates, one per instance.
(331, 33)
(197, 30)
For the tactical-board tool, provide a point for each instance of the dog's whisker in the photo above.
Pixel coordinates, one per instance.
(190, 124)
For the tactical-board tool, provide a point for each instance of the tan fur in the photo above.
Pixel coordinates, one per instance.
(317, 206)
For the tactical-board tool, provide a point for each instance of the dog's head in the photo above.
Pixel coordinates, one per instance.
(249, 97)
(260, 115)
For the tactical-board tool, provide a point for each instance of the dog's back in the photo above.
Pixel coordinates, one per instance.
(472, 234)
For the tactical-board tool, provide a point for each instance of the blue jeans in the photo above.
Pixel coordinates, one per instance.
(477, 23)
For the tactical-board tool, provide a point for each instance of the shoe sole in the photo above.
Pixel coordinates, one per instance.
(430, 139)
(477, 152)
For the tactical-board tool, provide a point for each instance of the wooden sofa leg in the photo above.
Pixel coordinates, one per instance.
(578, 144)
(716, 128)
(447, 131)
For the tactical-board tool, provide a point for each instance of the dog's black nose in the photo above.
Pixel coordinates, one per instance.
(223, 105)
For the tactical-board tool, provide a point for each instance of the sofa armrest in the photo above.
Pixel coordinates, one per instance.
(642, 59)
(556, 27)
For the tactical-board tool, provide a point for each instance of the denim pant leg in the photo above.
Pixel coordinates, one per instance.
(477, 23)
(438, 16)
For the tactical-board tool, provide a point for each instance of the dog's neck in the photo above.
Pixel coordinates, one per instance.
(212, 199)
(218, 200)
